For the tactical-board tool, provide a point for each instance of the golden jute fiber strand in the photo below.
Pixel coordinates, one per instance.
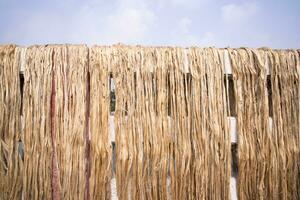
(250, 81)
(70, 64)
(208, 126)
(100, 152)
(126, 152)
(142, 136)
(285, 98)
(10, 105)
(268, 148)
(157, 133)
(37, 125)
(55, 110)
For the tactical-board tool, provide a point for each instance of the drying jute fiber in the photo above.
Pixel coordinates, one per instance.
(171, 122)
(10, 131)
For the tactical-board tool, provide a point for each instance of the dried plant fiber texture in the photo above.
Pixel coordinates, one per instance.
(254, 138)
(164, 124)
(142, 136)
(268, 148)
(100, 148)
(126, 136)
(38, 145)
(285, 73)
(55, 122)
(171, 122)
(70, 64)
(201, 161)
(10, 105)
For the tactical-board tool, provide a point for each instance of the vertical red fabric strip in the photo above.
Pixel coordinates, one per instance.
(55, 172)
(87, 137)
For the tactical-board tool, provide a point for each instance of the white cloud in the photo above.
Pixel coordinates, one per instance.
(208, 39)
(184, 2)
(129, 23)
(234, 13)
(125, 21)
(182, 35)
(184, 24)
(181, 3)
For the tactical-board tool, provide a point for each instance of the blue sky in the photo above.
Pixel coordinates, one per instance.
(220, 23)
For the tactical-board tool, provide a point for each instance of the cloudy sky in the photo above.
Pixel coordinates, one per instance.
(220, 23)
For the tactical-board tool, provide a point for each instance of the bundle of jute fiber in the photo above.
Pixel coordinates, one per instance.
(55, 122)
(131, 164)
(206, 126)
(126, 152)
(10, 105)
(285, 74)
(141, 123)
(171, 122)
(199, 112)
(254, 147)
(100, 149)
(38, 145)
(70, 68)
(268, 149)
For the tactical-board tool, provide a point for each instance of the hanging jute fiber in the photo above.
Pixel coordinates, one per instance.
(10, 106)
(285, 74)
(172, 122)
(268, 146)
(209, 126)
(254, 148)
(142, 130)
(100, 149)
(37, 123)
(55, 122)
(69, 74)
